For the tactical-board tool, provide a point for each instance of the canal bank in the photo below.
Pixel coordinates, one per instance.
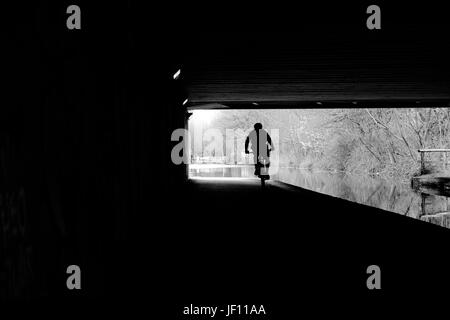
(386, 194)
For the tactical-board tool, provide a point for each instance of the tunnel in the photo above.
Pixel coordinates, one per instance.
(87, 176)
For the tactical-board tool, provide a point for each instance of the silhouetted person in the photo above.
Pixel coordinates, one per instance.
(261, 145)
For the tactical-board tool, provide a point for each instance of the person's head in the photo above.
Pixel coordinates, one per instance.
(257, 126)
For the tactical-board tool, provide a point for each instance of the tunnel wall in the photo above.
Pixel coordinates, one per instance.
(84, 151)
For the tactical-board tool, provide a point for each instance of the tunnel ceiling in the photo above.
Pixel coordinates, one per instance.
(327, 67)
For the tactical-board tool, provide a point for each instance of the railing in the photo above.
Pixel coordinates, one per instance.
(422, 157)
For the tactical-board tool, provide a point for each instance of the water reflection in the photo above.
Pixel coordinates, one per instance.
(384, 194)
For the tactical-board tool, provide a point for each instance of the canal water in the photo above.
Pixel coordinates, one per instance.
(389, 195)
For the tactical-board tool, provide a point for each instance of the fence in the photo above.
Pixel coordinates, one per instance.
(423, 152)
